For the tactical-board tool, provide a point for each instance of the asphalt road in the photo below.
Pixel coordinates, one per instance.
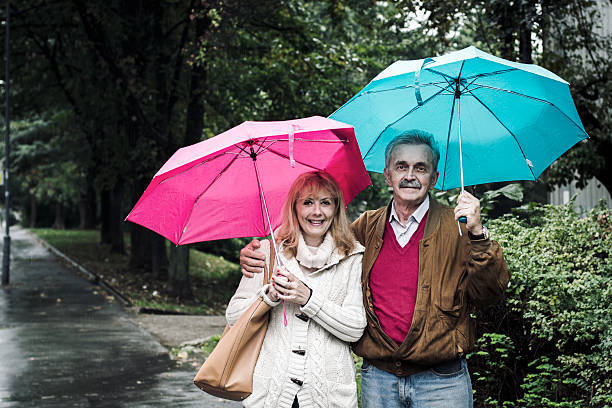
(63, 343)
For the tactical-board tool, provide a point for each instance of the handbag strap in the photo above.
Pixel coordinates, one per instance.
(268, 270)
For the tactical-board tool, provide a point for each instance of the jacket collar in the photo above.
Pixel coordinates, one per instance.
(431, 224)
(433, 219)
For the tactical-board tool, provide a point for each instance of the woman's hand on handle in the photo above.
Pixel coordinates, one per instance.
(290, 288)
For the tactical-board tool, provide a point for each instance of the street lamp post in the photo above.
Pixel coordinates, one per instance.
(6, 248)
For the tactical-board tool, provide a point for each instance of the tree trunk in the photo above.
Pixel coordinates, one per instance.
(140, 252)
(525, 47)
(59, 222)
(33, 211)
(87, 207)
(82, 211)
(503, 13)
(526, 9)
(195, 109)
(105, 199)
(90, 201)
(178, 274)
(115, 221)
(159, 257)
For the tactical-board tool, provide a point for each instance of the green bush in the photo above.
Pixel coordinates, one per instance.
(550, 343)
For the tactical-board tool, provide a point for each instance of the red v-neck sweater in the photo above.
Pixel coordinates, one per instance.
(394, 280)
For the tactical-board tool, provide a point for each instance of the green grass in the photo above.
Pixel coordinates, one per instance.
(207, 266)
(210, 345)
(213, 279)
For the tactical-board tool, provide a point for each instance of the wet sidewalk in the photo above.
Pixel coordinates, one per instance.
(64, 344)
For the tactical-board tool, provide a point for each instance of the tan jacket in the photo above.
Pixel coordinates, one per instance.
(454, 274)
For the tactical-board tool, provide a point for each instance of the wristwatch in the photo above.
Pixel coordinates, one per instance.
(483, 235)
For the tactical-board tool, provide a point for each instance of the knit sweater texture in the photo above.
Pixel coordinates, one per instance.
(310, 357)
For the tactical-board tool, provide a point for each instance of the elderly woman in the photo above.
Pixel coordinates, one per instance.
(308, 362)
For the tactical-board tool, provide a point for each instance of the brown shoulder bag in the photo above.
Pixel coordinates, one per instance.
(228, 371)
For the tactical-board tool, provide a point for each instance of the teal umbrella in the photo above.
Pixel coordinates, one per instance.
(493, 119)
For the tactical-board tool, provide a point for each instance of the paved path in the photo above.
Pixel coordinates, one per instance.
(64, 344)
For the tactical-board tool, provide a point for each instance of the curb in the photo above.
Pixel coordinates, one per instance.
(92, 277)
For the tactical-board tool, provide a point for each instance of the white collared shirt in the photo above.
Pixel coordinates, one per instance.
(404, 232)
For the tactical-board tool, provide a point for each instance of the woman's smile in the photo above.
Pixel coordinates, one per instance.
(315, 212)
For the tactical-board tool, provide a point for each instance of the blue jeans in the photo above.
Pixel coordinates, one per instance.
(447, 385)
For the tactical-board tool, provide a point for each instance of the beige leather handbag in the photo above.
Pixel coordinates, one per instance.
(228, 371)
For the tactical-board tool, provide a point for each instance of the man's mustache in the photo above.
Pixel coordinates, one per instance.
(410, 184)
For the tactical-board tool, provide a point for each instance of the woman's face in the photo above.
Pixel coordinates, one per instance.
(315, 212)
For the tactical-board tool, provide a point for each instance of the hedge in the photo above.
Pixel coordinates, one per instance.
(549, 344)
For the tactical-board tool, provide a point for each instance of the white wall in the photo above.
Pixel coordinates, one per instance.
(586, 198)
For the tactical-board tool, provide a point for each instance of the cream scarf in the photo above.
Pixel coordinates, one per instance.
(314, 257)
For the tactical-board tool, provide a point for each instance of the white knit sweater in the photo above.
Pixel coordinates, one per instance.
(313, 350)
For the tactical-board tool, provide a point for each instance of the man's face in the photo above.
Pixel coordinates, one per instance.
(411, 174)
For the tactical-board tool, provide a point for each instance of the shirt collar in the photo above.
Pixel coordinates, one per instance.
(417, 215)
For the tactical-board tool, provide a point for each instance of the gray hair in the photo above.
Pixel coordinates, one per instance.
(414, 137)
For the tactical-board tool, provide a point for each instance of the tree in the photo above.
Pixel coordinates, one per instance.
(43, 165)
(141, 79)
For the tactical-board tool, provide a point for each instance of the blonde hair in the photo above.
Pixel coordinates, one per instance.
(340, 230)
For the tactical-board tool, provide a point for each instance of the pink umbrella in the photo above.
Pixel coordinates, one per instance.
(234, 184)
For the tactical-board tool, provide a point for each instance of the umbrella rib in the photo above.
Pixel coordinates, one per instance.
(197, 165)
(476, 76)
(260, 143)
(509, 131)
(450, 126)
(261, 201)
(398, 119)
(486, 74)
(445, 87)
(526, 96)
(442, 74)
(399, 87)
(284, 156)
(466, 86)
(494, 88)
(202, 193)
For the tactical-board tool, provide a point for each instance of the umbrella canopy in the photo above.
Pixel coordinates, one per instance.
(223, 187)
(494, 120)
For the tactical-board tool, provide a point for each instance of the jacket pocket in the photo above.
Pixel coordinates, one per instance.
(451, 306)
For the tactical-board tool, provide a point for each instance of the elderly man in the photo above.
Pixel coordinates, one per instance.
(420, 279)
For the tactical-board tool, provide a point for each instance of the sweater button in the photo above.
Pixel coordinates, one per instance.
(301, 316)
(398, 364)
